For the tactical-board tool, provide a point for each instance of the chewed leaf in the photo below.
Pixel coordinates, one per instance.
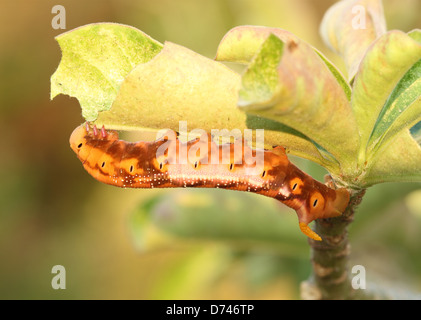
(177, 85)
(294, 86)
(382, 94)
(181, 85)
(350, 26)
(95, 60)
(242, 43)
(260, 83)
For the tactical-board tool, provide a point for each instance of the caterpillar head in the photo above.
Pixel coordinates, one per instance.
(78, 140)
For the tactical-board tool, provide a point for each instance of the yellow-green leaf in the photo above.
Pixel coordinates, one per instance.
(96, 58)
(379, 83)
(350, 26)
(401, 111)
(398, 161)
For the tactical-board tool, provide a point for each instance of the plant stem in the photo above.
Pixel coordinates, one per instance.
(330, 279)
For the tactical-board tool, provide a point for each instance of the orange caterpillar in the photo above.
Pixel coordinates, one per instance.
(135, 165)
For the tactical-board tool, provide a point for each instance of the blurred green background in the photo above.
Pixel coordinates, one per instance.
(163, 244)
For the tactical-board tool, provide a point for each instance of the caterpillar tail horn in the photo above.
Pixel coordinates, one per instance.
(308, 232)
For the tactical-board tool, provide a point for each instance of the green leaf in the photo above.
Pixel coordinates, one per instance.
(397, 161)
(402, 109)
(337, 74)
(96, 58)
(307, 97)
(386, 69)
(350, 26)
(230, 217)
